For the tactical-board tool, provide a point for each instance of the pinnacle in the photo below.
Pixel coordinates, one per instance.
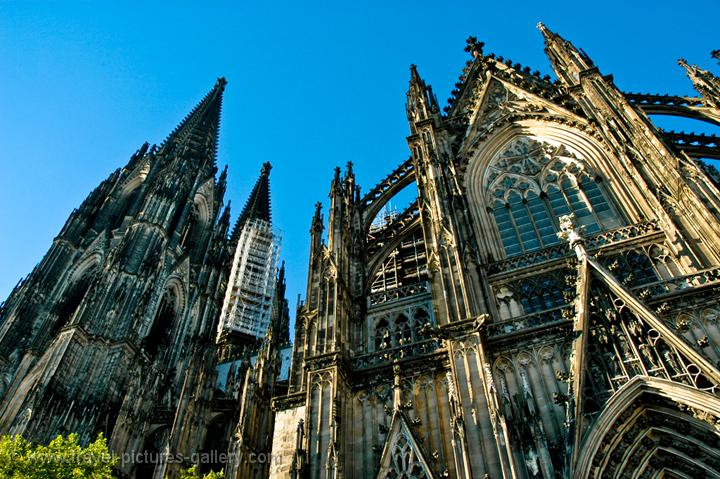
(414, 75)
(546, 32)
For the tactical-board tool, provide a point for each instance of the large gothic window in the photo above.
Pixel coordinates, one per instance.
(71, 300)
(530, 184)
(159, 335)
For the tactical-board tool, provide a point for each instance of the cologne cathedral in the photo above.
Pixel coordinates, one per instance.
(547, 306)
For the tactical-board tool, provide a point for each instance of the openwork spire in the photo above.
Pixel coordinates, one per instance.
(198, 131)
(258, 204)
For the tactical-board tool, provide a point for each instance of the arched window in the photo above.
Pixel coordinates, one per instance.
(187, 241)
(382, 335)
(530, 184)
(403, 331)
(71, 300)
(166, 316)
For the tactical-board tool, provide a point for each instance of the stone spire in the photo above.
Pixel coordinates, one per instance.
(567, 60)
(707, 84)
(421, 101)
(257, 205)
(198, 131)
(279, 329)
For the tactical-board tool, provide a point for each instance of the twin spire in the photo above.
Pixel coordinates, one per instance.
(257, 206)
(199, 130)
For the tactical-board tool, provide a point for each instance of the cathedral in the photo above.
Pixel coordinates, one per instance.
(546, 307)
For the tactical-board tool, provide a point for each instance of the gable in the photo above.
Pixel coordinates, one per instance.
(402, 456)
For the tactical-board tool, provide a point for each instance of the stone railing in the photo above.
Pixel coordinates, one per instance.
(645, 292)
(705, 277)
(398, 293)
(387, 356)
(559, 251)
(543, 318)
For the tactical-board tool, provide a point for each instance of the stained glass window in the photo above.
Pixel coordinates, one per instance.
(530, 184)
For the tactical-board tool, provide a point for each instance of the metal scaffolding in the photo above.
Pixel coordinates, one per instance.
(249, 296)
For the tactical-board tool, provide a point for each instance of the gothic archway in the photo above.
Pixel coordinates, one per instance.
(167, 316)
(653, 428)
(526, 175)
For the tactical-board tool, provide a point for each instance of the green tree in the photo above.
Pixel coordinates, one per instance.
(193, 473)
(63, 458)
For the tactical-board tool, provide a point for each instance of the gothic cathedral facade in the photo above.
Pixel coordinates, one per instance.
(547, 307)
(113, 331)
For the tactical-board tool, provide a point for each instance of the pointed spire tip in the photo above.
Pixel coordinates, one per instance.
(414, 75)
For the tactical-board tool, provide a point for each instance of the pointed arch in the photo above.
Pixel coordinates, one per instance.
(402, 456)
(653, 425)
(525, 175)
(167, 317)
(78, 285)
(412, 231)
(377, 197)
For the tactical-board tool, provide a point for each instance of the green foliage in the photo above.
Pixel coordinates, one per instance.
(193, 473)
(63, 458)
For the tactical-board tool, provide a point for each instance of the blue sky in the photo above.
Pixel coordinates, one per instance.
(311, 86)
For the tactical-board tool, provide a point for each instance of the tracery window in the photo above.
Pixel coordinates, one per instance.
(529, 184)
(382, 335)
(399, 328)
(404, 462)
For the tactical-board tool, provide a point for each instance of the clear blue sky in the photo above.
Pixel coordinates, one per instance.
(311, 86)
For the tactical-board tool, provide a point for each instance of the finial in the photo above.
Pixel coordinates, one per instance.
(545, 31)
(220, 83)
(266, 167)
(318, 211)
(569, 232)
(474, 47)
(683, 63)
(715, 54)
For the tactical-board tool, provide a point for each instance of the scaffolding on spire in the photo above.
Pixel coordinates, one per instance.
(248, 303)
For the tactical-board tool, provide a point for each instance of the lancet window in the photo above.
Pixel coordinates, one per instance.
(165, 318)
